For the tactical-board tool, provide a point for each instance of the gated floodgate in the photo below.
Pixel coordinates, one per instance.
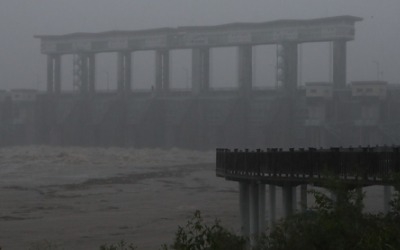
(355, 167)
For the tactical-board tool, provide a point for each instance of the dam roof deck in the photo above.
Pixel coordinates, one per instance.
(187, 37)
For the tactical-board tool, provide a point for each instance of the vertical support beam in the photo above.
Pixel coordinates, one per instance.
(84, 73)
(303, 197)
(272, 205)
(162, 70)
(128, 72)
(261, 207)
(254, 216)
(287, 198)
(200, 70)
(206, 68)
(339, 64)
(50, 73)
(294, 188)
(124, 71)
(290, 67)
(159, 71)
(91, 73)
(244, 202)
(120, 72)
(57, 74)
(165, 72)
(245, 68)
(387, 196)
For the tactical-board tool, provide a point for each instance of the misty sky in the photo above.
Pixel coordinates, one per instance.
(22, 65)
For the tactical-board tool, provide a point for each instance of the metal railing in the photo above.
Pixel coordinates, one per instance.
(370, 165)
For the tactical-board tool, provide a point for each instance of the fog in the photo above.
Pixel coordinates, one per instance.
(22, 65)
(84, 197)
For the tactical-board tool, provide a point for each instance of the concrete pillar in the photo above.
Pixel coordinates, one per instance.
(84, 74)
(57, 74)
(50, 73)
(294, 198)
(272, 205)
(244, 202)
(339, 64)
(245, 68)
(261, 207)
(128, 72)
(162, 70)
(387, 196)
(303, 197)
(120, 72)
(200, 70)
(91, 72)
(290, 67)
(287, 197)
(254, 213)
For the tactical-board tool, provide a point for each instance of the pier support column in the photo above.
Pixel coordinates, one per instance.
(50, 73)
(303, 197)
(128, 72)
(91, 73)
(254, 213)
(287, 197)
(162, 70)
(261, 208)
(272, 205)
(290, 67)
(200, 70)
(57, 74)
(339, 64)
(54, 74)
(85, 72)
(83, 78)
(387, 196)
(245, 69)
(294, 188)
(124, 71)
(244, 203)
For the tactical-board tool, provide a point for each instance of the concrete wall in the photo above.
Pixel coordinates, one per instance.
(215, 119)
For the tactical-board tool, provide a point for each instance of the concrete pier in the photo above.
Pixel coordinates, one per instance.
(262, 208)
(124, 72)
(272, 205)
(162, 70)
(244, 202)
(303, 197)
(287, 199)
(245, 68)
(200, 70)
(54, 74)
(339, 64)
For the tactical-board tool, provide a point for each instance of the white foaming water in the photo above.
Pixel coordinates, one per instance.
(48, 165)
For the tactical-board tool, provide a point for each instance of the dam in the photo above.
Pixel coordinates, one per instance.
(318, 114)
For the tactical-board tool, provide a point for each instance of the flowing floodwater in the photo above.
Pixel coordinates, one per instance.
(45, 165)
(80, 198)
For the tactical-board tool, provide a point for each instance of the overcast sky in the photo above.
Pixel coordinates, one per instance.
(22, 65)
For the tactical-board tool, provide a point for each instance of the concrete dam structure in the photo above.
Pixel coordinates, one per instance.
(319, 114)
